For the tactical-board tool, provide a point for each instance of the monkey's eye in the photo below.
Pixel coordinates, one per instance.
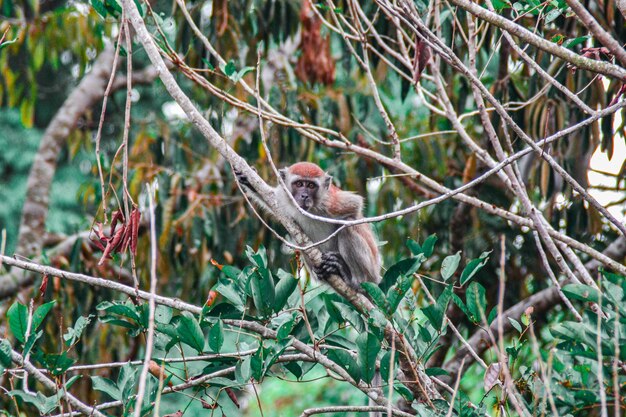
(299, 184)
(311, 185)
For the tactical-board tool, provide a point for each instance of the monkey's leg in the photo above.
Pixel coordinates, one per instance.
(363, 263)
(333, 264)
(377, 383)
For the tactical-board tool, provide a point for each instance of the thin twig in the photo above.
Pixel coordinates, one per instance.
(151, 305)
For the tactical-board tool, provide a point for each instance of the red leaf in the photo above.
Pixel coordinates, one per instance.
(420, 60)
(112, 243)
(135, 218)
(44, 285)
(232, 396)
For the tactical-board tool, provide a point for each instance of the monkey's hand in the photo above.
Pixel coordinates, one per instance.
(333, 264)
(243, 179)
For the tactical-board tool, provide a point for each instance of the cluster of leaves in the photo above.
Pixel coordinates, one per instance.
(256, 293)
(354, 342)
(589, 355)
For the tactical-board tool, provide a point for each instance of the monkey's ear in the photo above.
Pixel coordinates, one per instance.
(283, 173)
(327, 181)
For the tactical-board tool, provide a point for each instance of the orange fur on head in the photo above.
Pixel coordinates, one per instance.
(306, 169)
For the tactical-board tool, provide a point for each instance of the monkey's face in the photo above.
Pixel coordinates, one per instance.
(305, 192)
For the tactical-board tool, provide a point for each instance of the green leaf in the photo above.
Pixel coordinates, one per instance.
(274, 351)
(476, 301)
(262, 288)
(18, 320)
(239, 75)
(7, 43)
(346, 361)
(434, 315)
(398, 291)
(377, 295)
(99, 8)
(231, 272)
(332, 310)
(348, 313)
(57, 364)
(429, 245)
(71, 381)
(227, 288)
(286, 285)
(449, 265)
(256, 364)
(404, 267)
(38, 400)
(435, 312)
(414, 247)
(5, 353)
(582, 292)
(208, 64)
(117, 322)
(492, 315)
(32, 338)
(189, 331)
(242, 370)
(461, 305)
(228, 69)
(294, 368)
(500, 5)
(515, 324)
(163, 314)
(107, 386)
(40, 314)
(368, 347)
(113, 7)
(127, 310)
(436, 371)
(73, 333)
(385, 366)
(570, 43)
(552, 15)
(285, 329)
(126, 381)
(473, 267)
(556, 38)
(261, 281)
(216, 336)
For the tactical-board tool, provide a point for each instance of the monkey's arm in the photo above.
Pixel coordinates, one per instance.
(252, 194)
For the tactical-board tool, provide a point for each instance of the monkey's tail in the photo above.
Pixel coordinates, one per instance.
(376, 382)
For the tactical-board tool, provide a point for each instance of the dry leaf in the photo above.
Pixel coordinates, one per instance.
(492, 376)
(315, 63)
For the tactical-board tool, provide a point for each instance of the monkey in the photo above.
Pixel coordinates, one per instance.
(352, 254)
